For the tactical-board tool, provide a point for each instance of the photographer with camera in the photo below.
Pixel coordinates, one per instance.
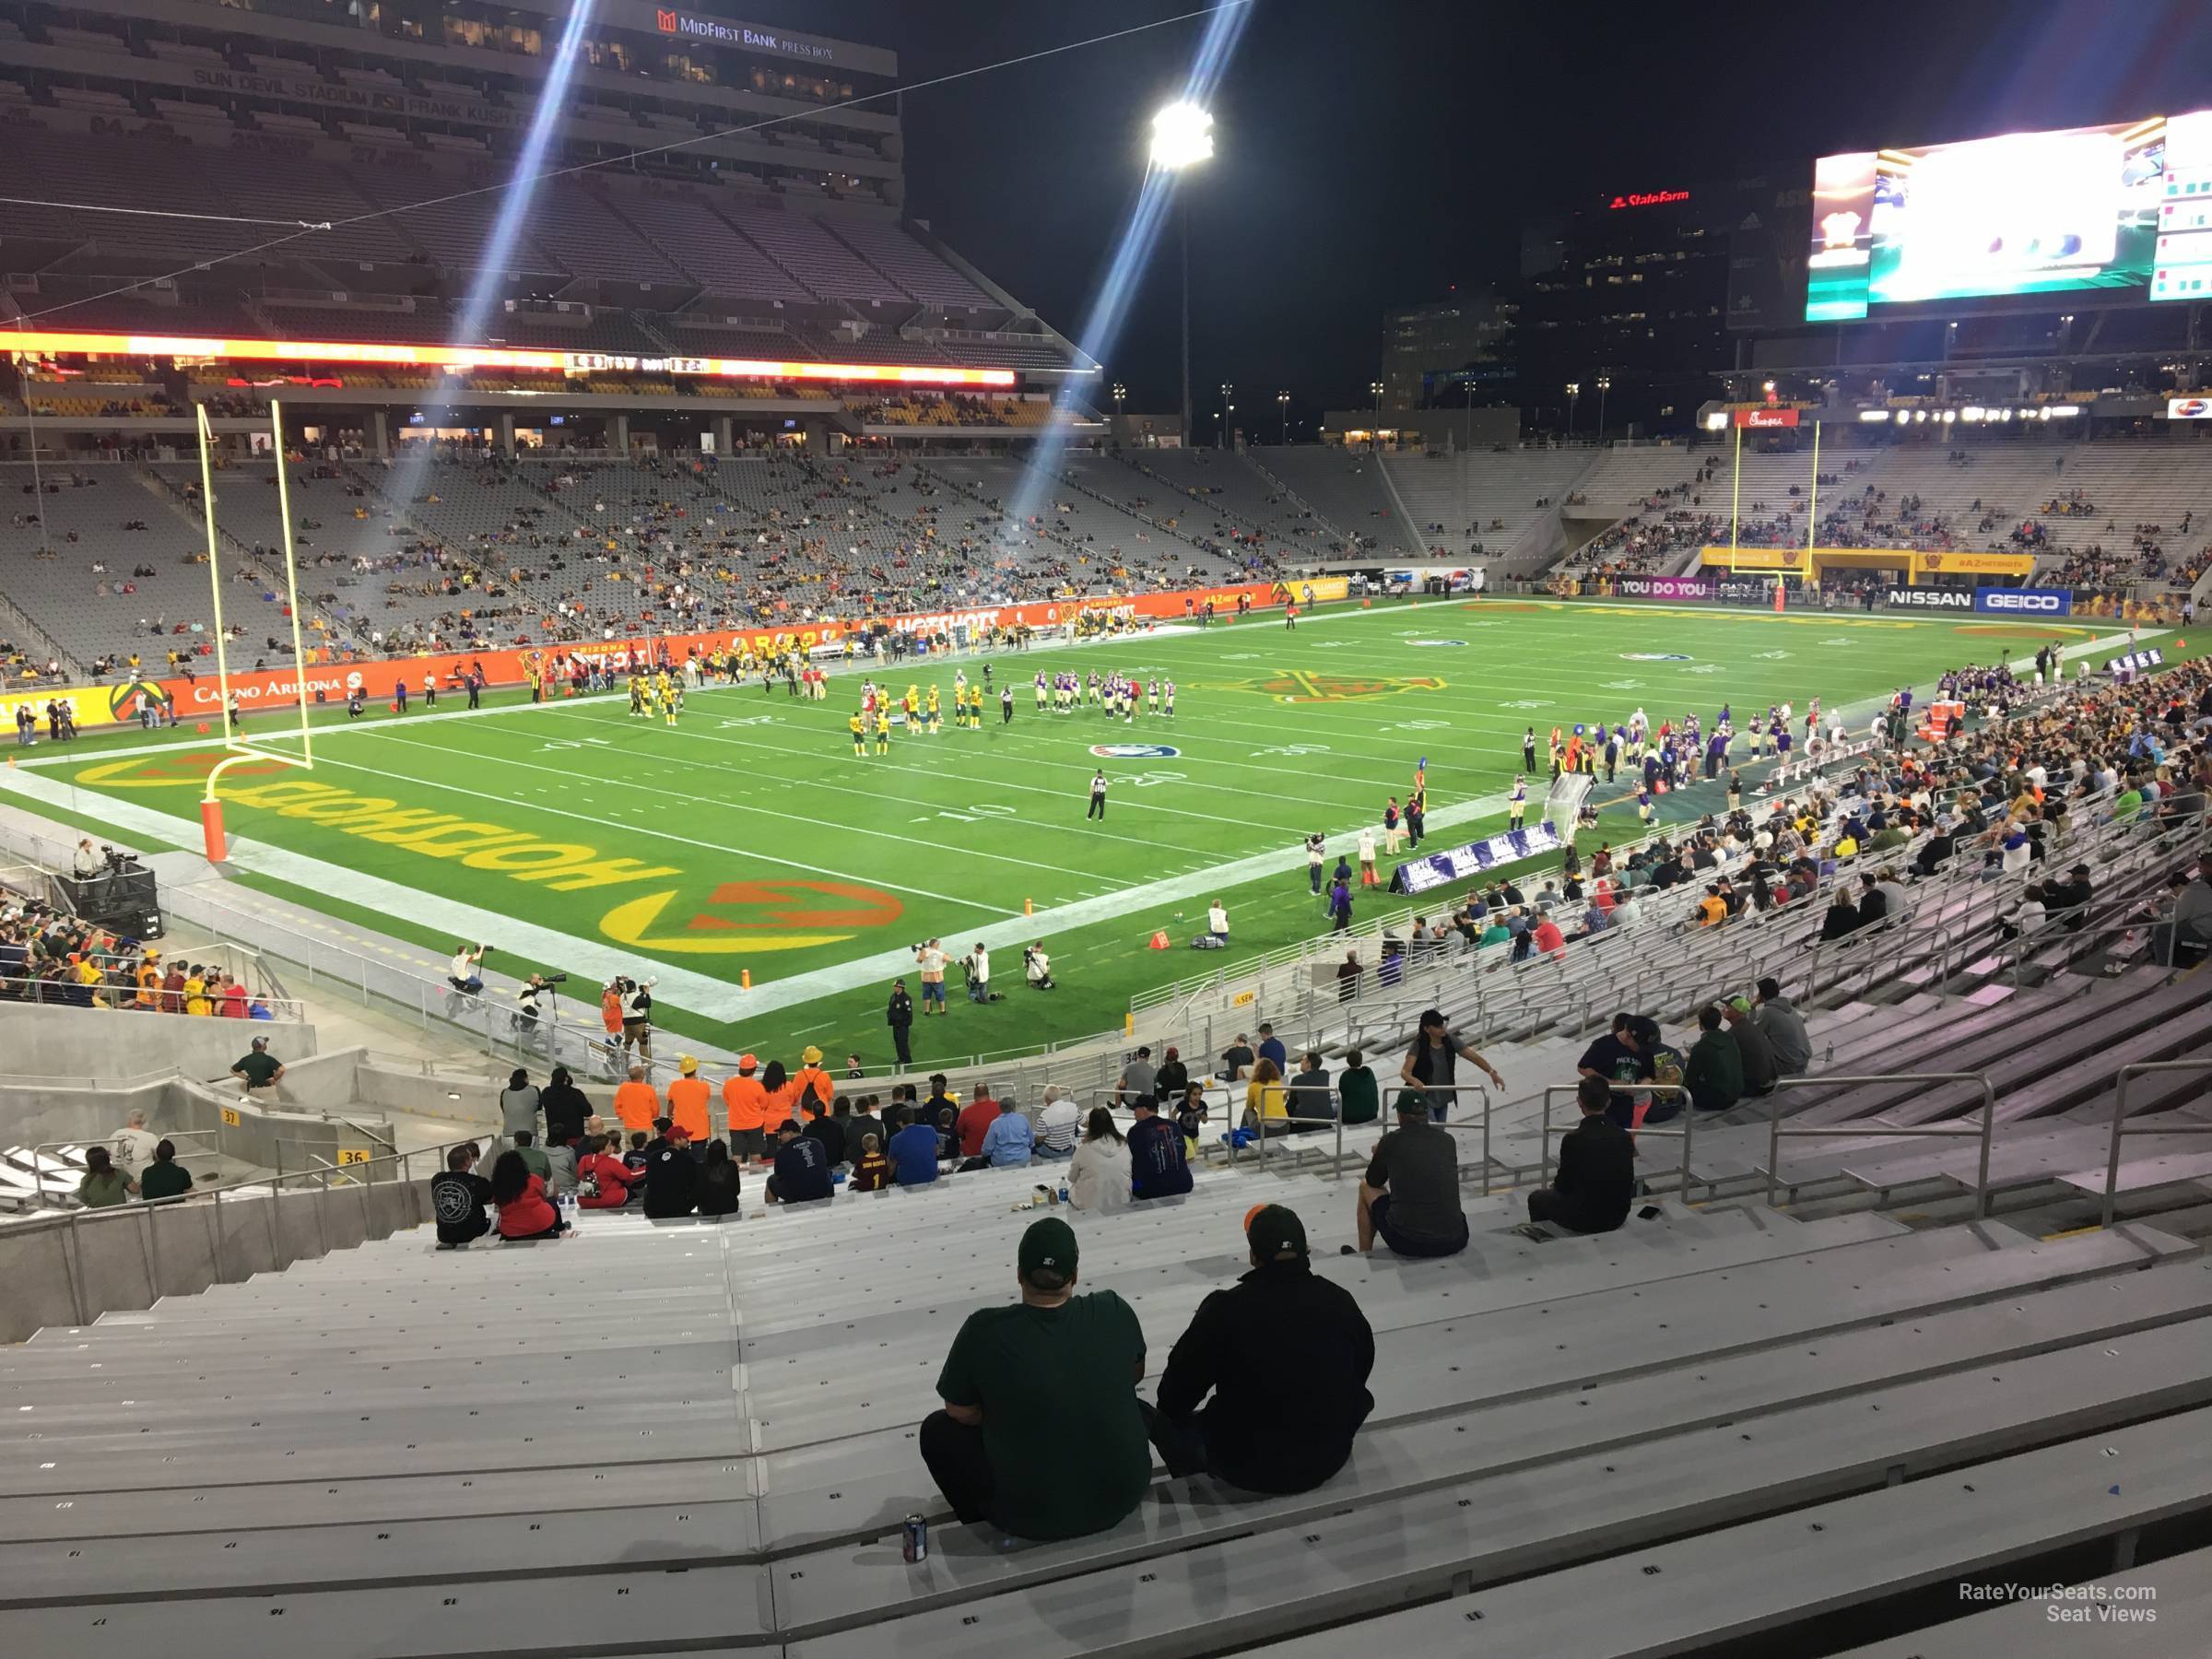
(88, 862)
(536, 999)
(1037, 967)
(462, 973)
(636, 1017)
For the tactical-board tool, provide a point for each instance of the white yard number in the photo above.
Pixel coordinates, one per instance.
(1150, 779)
(1422, 725)
(978, 813)
(1622, 686)
(1526, 703)
(1706, 668)
(574, 742)
(1293, 748)
(1772, 656)
(1839, 642)
(750, 720)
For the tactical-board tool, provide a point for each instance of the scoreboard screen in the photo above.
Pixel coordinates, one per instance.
(2121, 212)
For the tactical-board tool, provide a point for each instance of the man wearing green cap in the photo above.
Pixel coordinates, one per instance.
(1286, 1356)
(1043, 1434)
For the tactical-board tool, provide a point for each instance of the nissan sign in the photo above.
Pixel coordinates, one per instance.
(1931, 598)
(2024, 602)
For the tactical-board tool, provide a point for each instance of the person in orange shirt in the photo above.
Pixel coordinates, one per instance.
(687, 1101)
(783, 1102)
(610, 1014)
(747, 1103)
(812, 1090)
(637, 1102)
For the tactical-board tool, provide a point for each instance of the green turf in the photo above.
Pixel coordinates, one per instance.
(780, 853)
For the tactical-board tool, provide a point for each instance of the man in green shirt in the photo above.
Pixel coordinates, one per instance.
(1043, 1434)
(258, 1069)
(1357, 1091)
(1714, 1074)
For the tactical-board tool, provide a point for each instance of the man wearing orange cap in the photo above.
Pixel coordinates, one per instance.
(689, 1097)
(814, 1090)
(747, 1103)
(637, 1103)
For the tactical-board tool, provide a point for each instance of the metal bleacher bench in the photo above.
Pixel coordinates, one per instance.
(1780, 1573)
(1663, 1364)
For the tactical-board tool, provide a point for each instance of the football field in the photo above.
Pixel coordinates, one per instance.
(748, 840)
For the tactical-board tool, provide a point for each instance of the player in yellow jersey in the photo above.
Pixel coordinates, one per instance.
(936, 715)
(636, 694)
(883, 732)
(672, 701)
(913, 705)
(975, 707)
(859, 730)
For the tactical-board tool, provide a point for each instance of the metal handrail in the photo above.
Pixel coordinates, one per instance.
(46, 1147)
(2120, 1126)
(1985, 1133)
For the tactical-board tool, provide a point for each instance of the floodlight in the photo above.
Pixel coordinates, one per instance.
(1182, 134)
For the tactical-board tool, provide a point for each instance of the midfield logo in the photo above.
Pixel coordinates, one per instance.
(1299, 687)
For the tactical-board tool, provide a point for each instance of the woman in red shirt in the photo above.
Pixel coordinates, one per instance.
(615, 1177)
(524, 1210)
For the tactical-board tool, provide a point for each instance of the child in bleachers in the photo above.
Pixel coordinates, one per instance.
(871, 1169)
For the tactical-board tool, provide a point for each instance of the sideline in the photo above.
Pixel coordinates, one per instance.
(71, 754)
(697, 993)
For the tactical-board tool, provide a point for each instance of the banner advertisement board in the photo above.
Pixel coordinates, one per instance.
(2024, 602)
(376, 679)
(1755, 559)
(1473, 859)
(1974, 564)
(1752, 590)
(90, 707)
(1929, 598)
(1664, 587)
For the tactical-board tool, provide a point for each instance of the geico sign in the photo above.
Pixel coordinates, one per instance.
(2020, 602)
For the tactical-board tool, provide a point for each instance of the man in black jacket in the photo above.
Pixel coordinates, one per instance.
(1596, 1180)
(671, 1172)
(899, 1016)
(1286, 1357)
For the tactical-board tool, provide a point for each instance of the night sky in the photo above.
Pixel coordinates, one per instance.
(1374, 154)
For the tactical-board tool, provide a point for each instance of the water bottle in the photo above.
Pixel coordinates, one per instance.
(1063, 1192)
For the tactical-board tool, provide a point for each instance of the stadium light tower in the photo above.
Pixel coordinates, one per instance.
(1182, 136)
(1574, 390)
(1282, 402)
(1374, 390)
(1605, 384)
